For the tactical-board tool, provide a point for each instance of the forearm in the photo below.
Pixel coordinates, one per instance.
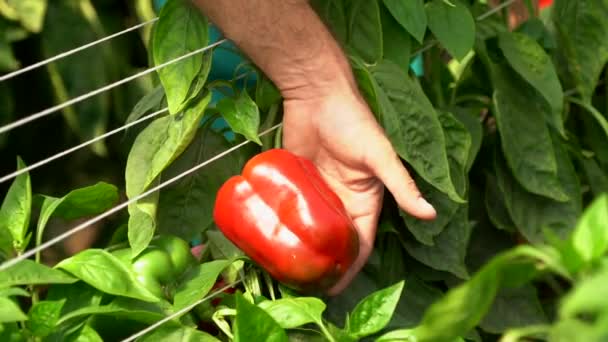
(284, 38)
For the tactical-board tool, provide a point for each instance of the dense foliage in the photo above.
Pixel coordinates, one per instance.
(506, 132)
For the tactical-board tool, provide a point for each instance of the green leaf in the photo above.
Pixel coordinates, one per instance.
(534, 65)
(30, 13)
(242, 115)
(88, 334)
(176, 332)
(496, 207)
(589, 296)
(13, 291)
(458, 146)
(463, 307)
(106, 273)
(10, 311)
(396, 42)
(185, 208)
(365, 30)
(198, 282)
(472, 123)
(150, 102)
(16, 208)
(43, 317)
(524, 135)
(122, 307)
(590, 237)
(532, 213)
(375, 311)
(581, 29)
(596, 178)
(254, 324)
(157, 146)
(402, 335)
(290, 313)
(222, 248)
(453, 25)
(597, 116)
(181, 29)
(450, 248)
(67, 26)
(514, 308)
(28, 272)
(410, 14)
(411, 124)
(87, 201)
(78, 295)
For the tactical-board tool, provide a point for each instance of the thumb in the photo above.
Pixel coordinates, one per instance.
(387, 166)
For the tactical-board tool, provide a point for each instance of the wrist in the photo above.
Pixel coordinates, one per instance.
(314, 72)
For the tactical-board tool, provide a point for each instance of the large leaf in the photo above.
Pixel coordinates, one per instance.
(463, 307)
(43, 316)
(365, 29)
(374, 312)
(66, 27)
(412, 125)
(77, 203)
(16, 208)
(396, 42)
(458, 144)
(533, 64)
(154, 149)
(180, 30)
(582, 28)
(198, 282)
(28, 272)
(10, 311)
(450, 246)
(294, 312)
(524, 135)
(514, 308)
(453, 25)
(252, 323)
(410, 14)
(186, 207)
(532, 213)
(106, 273)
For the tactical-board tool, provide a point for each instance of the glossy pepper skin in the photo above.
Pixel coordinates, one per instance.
(284, 216)
(165, 259)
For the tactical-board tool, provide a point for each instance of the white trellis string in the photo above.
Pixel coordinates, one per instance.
(73, 51)
(179, 312)
(123, 205)
(90, 94)
(77, 147)
(495, 10)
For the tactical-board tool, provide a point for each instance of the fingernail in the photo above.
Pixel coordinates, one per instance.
(426, 206)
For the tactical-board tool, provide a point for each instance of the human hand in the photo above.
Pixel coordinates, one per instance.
(339, 134)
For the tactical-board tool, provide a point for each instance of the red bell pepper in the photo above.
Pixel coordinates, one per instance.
(283, 215)
(544, 4)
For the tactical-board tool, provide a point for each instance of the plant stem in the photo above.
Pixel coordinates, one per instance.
(326, 332)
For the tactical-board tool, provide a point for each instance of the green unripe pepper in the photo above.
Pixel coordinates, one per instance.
(162, 263)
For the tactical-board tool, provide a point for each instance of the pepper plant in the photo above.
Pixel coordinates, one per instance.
(505, 131)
